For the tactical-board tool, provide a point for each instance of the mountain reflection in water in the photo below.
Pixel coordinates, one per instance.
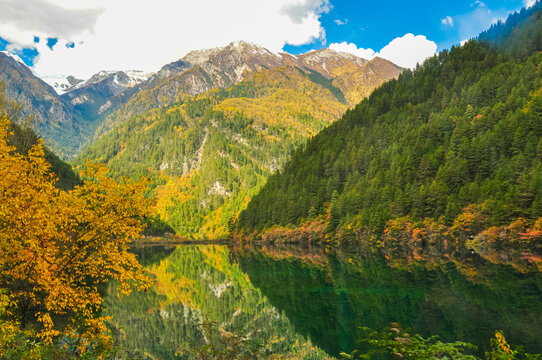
(301, 302)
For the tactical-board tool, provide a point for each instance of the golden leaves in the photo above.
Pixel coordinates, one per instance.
(57, 247)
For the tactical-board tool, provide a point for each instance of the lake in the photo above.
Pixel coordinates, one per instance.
(296, 302)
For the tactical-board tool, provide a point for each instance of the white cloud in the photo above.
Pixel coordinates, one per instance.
(409, 50)
(529, 3)
(22, 20)
(353, 49)
(405, 51)
(478, 3)
(447, 21)
(144, 35)
(341, 22)
(300, 10)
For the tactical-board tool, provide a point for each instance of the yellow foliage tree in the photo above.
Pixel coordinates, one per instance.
(57, 248)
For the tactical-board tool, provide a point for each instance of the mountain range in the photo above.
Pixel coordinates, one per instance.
(349, 77)
(67, 112)
(221, 121)
(208, 129)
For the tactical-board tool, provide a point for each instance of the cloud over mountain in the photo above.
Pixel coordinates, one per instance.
(23, 20)
(405, 51)
(126, 34)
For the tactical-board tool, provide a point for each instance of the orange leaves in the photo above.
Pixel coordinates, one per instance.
(56, 247)
(470, 221)
(517, 233)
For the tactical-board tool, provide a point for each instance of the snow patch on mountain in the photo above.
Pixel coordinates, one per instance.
(14, 57)
(63, 84)
(127, 78)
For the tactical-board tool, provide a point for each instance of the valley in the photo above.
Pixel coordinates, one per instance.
(312, 199)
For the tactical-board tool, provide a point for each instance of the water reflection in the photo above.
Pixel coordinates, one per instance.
(300, 301)
(196, 284)
(328, 294)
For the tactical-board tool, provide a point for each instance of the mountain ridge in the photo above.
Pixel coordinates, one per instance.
(85, 109)
(225, 66)
(51, 117)
(210, 152)
(211, 127)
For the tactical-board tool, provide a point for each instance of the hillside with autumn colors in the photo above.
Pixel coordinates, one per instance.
(208, 154)
(351, 180)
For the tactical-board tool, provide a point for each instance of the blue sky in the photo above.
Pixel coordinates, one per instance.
(372, 24)
(80, 37)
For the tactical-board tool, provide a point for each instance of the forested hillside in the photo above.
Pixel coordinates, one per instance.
(210, 154)
(456, 141)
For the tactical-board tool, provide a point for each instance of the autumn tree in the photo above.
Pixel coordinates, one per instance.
(58, 247)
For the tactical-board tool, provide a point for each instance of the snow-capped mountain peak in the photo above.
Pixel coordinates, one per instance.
(63, 84)
(126, 78)
(14, 57)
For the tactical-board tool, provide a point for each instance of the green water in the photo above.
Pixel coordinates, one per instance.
(309, 303)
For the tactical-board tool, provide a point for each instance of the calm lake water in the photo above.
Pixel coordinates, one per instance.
(309, 303)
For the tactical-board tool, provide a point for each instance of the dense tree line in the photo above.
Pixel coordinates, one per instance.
(463, 128)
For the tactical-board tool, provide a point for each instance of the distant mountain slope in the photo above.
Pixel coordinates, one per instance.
(63, 84)
(55, 120)
(211, 154)
(95, 96)
(87, 109)
(349, 77)
(22, 137)
(463, 129)
(69, 120)
(237, 114)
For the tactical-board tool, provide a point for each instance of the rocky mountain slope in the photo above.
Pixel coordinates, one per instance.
(54, 119)
(67, 113)
(209, 155)
(63, 85)
(72, 112)
(96, 95)
(211, 127)
(349, 77)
